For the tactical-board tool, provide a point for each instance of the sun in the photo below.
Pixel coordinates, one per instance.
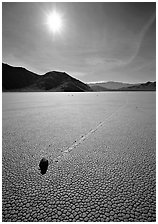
(54, 22)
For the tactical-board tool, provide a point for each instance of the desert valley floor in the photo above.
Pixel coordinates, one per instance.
(101, 149)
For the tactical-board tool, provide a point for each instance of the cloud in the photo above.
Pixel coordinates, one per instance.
(110, 62)
(139, 39)
(107, 63)
(143, 66)
(98, 60)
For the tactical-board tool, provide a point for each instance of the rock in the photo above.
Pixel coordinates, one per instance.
(43, 165)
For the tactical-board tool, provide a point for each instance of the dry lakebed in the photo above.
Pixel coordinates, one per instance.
(101, 150)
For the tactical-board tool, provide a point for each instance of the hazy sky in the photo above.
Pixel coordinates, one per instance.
(97, 41)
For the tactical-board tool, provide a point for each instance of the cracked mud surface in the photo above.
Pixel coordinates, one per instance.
(109, 175)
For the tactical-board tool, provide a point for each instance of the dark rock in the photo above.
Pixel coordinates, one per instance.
(43, 165)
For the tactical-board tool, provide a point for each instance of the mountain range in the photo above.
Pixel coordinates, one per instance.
(120, 86)
(110, 85)
(18, 79)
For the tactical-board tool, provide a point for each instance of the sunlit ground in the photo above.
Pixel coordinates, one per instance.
(101, 153)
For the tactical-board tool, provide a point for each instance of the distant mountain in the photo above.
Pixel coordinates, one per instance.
(148, 86)
(111, 85)
(97, 88)
(20, 79)
(118, 86)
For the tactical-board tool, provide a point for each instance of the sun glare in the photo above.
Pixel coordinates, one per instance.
(54, 22)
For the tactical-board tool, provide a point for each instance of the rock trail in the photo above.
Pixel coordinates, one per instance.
(86, 135)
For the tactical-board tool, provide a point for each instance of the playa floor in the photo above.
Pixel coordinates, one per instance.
(101, 149)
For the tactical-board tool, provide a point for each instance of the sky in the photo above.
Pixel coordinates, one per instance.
(98, 41)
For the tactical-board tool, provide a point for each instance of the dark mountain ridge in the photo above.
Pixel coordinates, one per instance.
(16, 77)
(20, 79)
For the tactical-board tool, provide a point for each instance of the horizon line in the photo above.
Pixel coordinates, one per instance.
(88, 82)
